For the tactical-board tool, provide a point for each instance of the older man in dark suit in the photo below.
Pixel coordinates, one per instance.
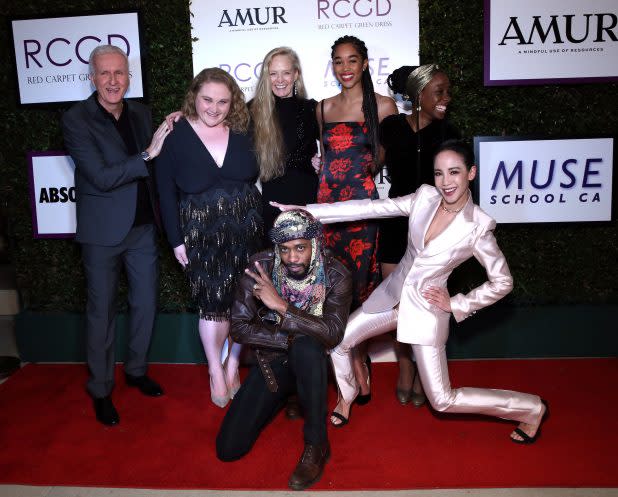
(111, 143)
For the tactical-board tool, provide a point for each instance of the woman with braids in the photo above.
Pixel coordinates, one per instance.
(410, 142)
(349, 124)
(211, 208)
(285, 134)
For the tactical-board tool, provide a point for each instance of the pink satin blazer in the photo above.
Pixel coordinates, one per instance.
(470, 234)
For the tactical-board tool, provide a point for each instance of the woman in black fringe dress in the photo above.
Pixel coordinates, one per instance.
(211, 210)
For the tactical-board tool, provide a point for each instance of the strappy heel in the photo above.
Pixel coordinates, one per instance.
(363, 399)
(340, 417)
(527, 439)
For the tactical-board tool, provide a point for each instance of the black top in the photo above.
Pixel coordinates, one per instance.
(400, 144)
(143, 207)
(186, 167)
(299, 183)
(300, 131)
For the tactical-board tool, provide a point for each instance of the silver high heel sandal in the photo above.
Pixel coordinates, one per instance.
(219, 401)
(235, 386)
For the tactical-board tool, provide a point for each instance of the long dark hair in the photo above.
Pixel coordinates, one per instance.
(370, 105)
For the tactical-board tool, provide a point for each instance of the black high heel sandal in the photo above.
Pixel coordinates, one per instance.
(342, 419)
(527, 439)
(363, 399)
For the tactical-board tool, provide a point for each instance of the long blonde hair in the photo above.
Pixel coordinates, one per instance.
(267, 135)
(238, 117)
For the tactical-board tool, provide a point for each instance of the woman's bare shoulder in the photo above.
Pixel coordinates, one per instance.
(386, 106)
(331, 107)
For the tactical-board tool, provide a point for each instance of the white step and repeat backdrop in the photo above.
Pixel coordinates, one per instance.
(236, 36)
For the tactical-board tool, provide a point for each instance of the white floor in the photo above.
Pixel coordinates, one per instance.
(23, 491)
(8, 347)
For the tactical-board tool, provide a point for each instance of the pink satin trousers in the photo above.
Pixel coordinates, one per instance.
(433, 370)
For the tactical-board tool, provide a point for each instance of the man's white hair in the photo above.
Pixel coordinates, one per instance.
(103, 50)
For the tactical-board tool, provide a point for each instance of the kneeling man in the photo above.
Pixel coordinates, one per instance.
(291, 306)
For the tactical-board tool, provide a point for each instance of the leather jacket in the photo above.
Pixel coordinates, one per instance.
(249, 328)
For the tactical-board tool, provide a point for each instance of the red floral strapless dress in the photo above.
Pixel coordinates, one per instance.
(346, 175)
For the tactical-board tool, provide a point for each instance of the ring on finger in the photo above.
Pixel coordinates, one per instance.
(255, 286)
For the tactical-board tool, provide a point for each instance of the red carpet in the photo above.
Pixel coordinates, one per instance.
(49, 436)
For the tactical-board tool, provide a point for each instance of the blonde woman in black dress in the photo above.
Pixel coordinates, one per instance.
(285, 133)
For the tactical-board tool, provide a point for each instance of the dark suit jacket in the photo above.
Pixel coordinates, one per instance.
(105, 175)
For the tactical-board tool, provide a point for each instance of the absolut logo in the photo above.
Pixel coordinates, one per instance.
(568, 28)
(53, 195)
(252, 16)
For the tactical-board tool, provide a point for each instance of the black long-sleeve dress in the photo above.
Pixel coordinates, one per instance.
(214, 211)
(406, 174)
(299, 183)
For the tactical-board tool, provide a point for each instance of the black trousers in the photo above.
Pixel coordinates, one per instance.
(139, 255)
(302, 371)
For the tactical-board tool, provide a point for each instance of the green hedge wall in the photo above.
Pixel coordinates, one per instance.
(550, 263)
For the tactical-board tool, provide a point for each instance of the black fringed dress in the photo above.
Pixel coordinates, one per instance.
(215, 211)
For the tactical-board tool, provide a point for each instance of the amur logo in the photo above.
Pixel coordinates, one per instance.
(252, 16)
(597, 28)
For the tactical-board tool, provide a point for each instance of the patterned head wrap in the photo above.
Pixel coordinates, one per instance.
(308, 293)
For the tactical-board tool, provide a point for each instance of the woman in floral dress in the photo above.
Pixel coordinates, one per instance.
(349, 124)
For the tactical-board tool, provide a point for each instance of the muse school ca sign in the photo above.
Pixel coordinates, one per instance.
(541, 181)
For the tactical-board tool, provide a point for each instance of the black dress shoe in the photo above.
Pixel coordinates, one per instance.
(145, 385)
(310, 467)
(105, 411)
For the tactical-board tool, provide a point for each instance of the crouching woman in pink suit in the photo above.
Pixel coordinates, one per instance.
(445, 229)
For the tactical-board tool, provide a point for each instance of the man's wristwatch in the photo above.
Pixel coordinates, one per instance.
(146, 156)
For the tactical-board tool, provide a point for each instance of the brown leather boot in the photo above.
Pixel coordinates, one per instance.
(309, 469)
(292, 408)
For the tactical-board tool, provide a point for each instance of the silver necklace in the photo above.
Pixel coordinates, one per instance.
(454, 211)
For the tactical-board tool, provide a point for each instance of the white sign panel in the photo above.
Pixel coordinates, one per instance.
(52, 54)
(52, 194)
(553, 41)
(236, 35)
(540, 181)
